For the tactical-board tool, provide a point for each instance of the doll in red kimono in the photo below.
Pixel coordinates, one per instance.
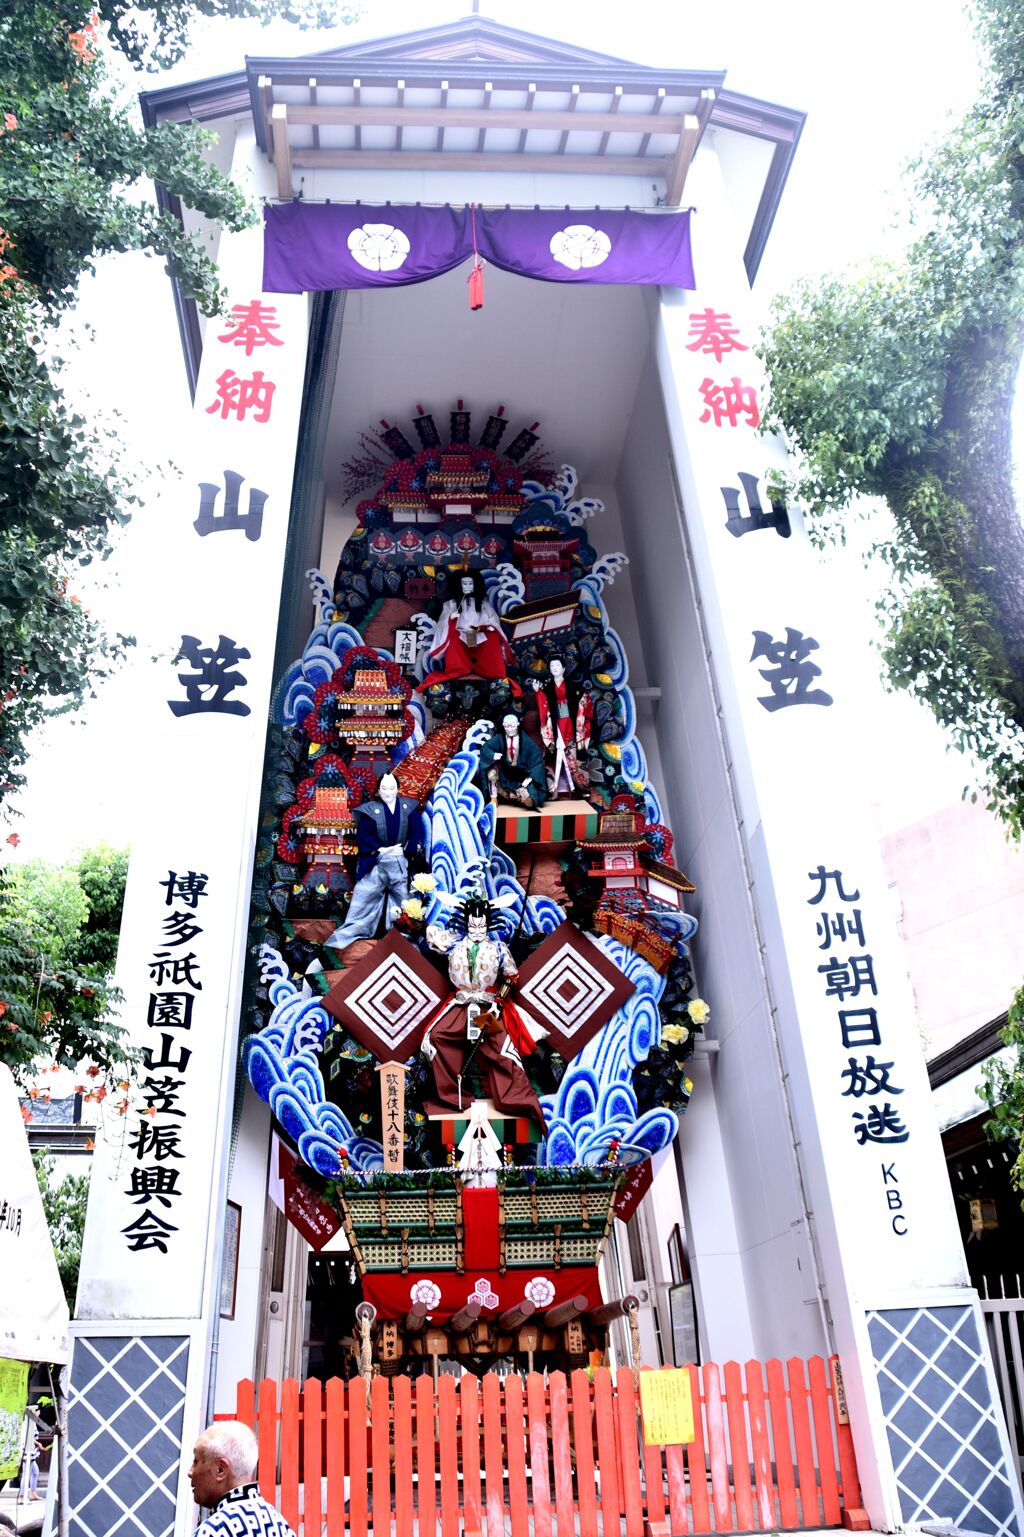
(468, 639)
(566, 717)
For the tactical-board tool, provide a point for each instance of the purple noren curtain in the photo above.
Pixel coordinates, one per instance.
(309, 247)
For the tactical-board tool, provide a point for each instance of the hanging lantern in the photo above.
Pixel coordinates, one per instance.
(984, 1216)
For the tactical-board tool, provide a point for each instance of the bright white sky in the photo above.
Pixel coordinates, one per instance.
(877, 82)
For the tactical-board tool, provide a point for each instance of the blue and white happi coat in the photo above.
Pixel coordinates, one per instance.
(243, 1512)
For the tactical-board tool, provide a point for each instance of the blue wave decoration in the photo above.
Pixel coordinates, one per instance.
(282, 1066)
(323, 654)
(461, 851)
(595, 1101)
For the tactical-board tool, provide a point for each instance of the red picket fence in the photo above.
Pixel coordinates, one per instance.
(499, 1453)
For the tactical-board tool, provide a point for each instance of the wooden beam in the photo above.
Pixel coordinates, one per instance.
(439, 141)
(706, 106)
(416, 1318)
(312, 103)
(658, 104)
(675, 179)
(574, 100)
(616, 103)
(476, 117)
(265, 94)
(401, 104)
(282, 149)
(531, 97)
(464, 1320)
(554, 1318)
(470, 160)
(514, 1316)
(356, 98)
(488, 88)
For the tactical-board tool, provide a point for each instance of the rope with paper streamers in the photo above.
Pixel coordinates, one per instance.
(633, 1314)
(365, 1315)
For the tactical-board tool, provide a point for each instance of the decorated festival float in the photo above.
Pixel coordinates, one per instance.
(477, 990)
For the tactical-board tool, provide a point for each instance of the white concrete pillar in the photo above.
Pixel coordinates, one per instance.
(148, 1302)
(798, 722)
(718, 1279)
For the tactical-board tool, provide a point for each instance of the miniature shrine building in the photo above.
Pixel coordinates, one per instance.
(570, 470)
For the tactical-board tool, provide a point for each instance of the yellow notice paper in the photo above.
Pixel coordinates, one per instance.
(667, 1407)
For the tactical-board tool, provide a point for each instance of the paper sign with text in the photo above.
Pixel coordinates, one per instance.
(667, 1407)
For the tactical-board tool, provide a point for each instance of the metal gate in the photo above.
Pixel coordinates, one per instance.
(1004, 1320)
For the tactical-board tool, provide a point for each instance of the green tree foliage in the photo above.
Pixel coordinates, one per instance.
(74, 169)
(64, 1204)
(102, 873)
(58, 942)
(898, 384)
(1003, 1089)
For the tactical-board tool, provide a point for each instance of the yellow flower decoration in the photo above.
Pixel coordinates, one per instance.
(675, 1035)
(413, 909)
(424, 883)
(698, 1011)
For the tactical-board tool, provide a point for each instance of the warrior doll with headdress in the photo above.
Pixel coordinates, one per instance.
(480, 1023)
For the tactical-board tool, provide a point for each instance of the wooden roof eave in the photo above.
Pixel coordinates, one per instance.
(278, 117)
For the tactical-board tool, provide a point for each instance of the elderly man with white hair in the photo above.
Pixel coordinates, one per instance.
(222, 1476)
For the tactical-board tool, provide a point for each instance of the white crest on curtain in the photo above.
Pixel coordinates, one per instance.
(379, 247)
(580, 245)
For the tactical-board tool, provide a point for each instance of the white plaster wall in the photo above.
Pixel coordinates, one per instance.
(494, 188)
(753, 1271)
(247, 1186)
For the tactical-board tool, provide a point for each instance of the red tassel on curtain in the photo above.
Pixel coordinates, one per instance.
(476, 276)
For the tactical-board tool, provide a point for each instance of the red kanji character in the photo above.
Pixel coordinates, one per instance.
(715, 333)
(239, 395)
(252, 325)
(728, 402)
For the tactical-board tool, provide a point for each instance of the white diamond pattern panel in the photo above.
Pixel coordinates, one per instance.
(566, 990)
(940, 1419)
(393, 1001)
(125, 1417)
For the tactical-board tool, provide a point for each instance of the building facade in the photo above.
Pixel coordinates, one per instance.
(803, 1200)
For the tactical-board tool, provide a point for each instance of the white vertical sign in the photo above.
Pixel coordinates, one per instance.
(795, 703)
(198, 750)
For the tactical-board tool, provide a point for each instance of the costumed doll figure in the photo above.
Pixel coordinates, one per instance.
(389, 831)
(468, 638)
(566, 718)
(512, 766)
(479, 1022)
